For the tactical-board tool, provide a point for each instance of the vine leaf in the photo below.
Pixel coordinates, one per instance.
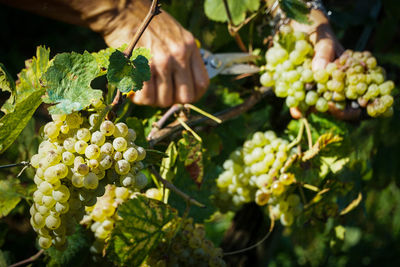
(295, 9)
(128, 74)
(7, 84)
(102, 59)
(29, 80)
(190, 152)
(9, 196)
(321, 143)
(68, 82)
(139, 231)
(215, 9)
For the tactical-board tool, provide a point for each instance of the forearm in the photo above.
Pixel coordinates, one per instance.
(110, 18)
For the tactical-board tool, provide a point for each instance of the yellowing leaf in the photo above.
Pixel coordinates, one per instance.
(321, 143)
(9, 197)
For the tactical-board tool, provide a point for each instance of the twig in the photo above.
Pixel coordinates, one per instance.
(202, 112)
(183, 123)
(160, 123)
(231, 28)
(308, 131)
(172, 187)
(154, 10)
(28, 260)
(224, 115)
(297, 140)
(22, 163)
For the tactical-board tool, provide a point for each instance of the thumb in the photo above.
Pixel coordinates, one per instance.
(324, 53)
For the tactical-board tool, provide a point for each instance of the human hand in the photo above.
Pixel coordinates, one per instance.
(326, 48)
(178, 74)
(178, 71)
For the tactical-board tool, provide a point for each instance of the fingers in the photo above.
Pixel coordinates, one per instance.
(324, 53)
(147, 95)
(199, 72)
(184, 89)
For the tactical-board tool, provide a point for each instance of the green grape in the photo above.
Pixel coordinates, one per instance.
(141, 153)
(266, 79)
(92, 151)
(120, 144)
(107, 148)
(83, 134)
(80, 147)
(90, 181)
(107, 128)
(53, 222)
(45, 242)
(322, 105)
(98, 138)
(131, 154)
(121, 130)
(62, 194)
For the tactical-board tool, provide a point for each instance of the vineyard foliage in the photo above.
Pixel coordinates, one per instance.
(316, 190)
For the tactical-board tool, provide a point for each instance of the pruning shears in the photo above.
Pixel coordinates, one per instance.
(228, 63)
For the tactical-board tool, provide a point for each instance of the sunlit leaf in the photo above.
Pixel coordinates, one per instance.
(68, 82)
(215, 9)
(295, 9)
(139, 231)
(127, 75)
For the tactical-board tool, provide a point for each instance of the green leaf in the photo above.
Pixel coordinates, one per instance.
(141, 51)
(76, 253)
(139, 231)
(9, 197)
(7, 83)
(29, 79)
(68, 82)
(295, 9)
(215, 9)
(190, 152)
(12, 124)
(127, 74)
(102, 58)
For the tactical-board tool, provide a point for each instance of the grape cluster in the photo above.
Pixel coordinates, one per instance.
(71, 164)
(185, 245)
(255, 173)
(102, 215)
(354, 79)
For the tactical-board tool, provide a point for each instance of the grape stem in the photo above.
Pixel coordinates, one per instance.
(153, 11)
(183, 123)
(308, 131)
(22, 163)
(158, 135)
(28, 260)
(297, 140)
(172, 187)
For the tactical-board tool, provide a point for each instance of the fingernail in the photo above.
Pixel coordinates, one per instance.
(319, 63)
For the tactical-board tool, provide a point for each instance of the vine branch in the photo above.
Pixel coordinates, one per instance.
(161, 134)
(28, 260)
(172, 187)
(22, 163)
(154, 11)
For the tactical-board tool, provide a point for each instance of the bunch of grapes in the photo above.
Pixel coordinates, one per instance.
(102, 215)
(185, 245)
(255, 173)
(354, 79)
(71, 164)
